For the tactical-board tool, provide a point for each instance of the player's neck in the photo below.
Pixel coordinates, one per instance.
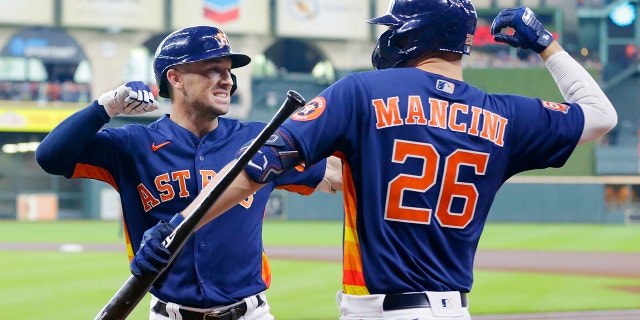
(449, 68)
(448, 64)
(197, 124)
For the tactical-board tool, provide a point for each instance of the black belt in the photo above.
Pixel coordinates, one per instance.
(399, 301)
(233, 313)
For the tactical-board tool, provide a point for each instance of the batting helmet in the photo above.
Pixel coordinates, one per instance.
(193, 44)
(418, 26)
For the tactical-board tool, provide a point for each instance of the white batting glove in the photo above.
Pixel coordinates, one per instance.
(133, 97)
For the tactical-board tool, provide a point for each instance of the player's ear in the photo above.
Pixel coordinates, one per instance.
(174, 77)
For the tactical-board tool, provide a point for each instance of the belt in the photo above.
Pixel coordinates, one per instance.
(233, 313)
(399, 301)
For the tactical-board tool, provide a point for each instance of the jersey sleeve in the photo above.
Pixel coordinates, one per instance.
(328, 123)
(302, 179)
(72, 139)
(543, 134)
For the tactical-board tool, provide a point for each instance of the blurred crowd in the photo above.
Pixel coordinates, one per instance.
(67, 91)
(592, 3)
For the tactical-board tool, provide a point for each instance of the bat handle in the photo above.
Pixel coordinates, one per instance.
(297, 99)
(127, 297)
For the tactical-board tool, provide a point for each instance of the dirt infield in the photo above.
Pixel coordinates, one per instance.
(583, 263)
(576, 263)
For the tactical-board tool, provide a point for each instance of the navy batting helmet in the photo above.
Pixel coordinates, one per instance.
(193, 44)
(418, 26)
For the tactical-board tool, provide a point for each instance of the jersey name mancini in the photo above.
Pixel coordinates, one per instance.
(441, 114)
(168, 186)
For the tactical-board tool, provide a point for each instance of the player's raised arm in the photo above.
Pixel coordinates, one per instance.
(574, 82)
(58, 152)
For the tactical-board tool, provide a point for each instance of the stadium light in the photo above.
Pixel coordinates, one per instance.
(624, 14)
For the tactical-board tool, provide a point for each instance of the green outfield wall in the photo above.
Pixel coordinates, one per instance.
(567, 200)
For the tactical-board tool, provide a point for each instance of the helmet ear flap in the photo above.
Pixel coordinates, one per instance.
(234, 87)
(384, 55)
(391, 49)
(401, 40)
(163, 86)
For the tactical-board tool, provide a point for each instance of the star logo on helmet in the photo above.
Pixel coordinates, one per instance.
(222, 39)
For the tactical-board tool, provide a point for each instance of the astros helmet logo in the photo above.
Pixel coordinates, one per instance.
(312, 110)
(222, 39)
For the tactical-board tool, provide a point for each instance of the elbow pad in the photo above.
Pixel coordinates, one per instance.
(278, 155)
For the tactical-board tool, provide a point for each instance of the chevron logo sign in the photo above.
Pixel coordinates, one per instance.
(221, 10)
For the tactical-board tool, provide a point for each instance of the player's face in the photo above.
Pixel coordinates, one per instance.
(207, 85)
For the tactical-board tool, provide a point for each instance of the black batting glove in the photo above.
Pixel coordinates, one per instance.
(529, 32)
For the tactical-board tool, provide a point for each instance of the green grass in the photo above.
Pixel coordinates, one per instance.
(562, 237)
(520, 292)
(320, 233)
(58, 285)
(61, 231)
(576, 237)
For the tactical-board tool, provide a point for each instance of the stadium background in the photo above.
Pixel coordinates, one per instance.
(58, 58)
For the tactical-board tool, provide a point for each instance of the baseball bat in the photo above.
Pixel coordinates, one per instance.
(134, 289)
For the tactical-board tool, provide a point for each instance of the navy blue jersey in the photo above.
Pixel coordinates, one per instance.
(423, 163)
(158, 170)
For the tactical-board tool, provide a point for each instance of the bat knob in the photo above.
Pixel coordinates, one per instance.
(291, 94)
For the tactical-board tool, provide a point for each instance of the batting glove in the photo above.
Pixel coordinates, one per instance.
(153, 256)
(529, 32)
(133, 97)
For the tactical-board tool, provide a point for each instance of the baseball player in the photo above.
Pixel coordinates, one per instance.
(425, 153)
(159, 169)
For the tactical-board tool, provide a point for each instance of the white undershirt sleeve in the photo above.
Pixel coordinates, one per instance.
(576, 85)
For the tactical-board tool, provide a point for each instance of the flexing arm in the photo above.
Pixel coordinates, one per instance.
(577, 86)
(61, 148)
(58, 152)
(574, 82)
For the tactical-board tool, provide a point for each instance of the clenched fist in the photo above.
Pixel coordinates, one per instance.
(529, 31)
(133, 97)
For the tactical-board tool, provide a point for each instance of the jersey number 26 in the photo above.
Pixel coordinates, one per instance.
(403, 184)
